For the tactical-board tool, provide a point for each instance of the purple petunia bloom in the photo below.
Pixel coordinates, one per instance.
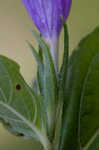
(46, 15)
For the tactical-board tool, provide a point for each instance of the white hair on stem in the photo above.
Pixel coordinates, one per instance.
(54, 50)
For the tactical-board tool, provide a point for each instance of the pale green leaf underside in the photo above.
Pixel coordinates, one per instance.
(18, 103)
(49, 83)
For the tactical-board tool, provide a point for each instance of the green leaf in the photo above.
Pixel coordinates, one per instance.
(89, 111)
(80, 114)
(19, 105)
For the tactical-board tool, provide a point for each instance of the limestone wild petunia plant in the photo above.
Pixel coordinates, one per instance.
(61, 108)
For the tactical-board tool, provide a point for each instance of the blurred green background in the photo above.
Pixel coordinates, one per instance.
(14, 30)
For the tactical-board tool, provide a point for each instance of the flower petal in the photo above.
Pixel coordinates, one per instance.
(46, 15)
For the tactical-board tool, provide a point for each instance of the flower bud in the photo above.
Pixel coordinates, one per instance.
(46, 15)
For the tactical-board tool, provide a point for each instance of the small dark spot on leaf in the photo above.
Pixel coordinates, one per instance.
(1, 119)
(8, 124)
(20, 134)
(18, 87)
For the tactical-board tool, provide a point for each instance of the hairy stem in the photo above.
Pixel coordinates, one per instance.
(46, 143)
(54, 49)
(49, 146)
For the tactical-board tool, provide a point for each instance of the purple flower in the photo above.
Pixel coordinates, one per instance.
(46, 15)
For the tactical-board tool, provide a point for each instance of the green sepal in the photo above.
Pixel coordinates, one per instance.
(62, 83)
(39, 78)
(64, 66)
(40, 71)
(49, 81)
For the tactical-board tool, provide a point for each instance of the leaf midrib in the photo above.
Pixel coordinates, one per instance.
(29, 124)
(91, 140)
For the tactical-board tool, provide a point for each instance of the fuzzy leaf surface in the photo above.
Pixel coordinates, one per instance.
(19, 105)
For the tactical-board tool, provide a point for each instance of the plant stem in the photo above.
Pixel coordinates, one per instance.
(49, 146)
(54, 49)
(46, 143)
